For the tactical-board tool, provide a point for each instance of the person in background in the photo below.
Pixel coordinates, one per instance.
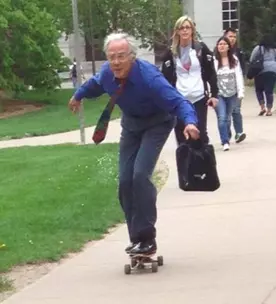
(73, 73)
(188, 66)
(149, 106)
(231, 34)
(230, 84)
(240, 136)
(265, 81)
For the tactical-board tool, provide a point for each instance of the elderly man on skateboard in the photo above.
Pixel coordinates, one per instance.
(149, 107)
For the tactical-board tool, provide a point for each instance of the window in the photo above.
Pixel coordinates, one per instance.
(230, 14)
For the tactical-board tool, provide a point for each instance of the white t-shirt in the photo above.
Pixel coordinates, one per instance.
(189, 78)
(227, 83)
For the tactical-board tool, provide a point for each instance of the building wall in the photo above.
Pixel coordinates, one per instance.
(208, 18)
(66, 45)
(211, 17)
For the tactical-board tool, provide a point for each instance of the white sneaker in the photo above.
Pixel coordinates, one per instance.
(226, 147)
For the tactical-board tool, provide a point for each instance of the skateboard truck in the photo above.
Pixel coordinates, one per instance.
(140, 262)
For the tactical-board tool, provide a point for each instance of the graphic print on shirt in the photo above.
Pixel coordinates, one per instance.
(227, 82)
(189, 82)
(185, 58)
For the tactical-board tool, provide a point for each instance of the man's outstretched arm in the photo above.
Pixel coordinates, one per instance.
(90, 89)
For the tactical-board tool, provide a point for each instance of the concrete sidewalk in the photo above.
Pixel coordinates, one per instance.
(218, 248)
(113, 135)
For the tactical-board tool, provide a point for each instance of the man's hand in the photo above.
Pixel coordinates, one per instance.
(212, 102)
(74, 105)
(191, 131)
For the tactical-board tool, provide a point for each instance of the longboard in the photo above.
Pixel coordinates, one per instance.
(140, 262)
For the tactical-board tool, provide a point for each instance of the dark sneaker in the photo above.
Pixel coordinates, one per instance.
(262, 112)
(240, 137)
(144, 248)
(130, 247)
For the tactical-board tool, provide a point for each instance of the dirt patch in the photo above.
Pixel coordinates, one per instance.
(21, 276)
(11, 107)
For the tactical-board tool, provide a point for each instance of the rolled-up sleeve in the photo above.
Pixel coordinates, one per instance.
(92, 88)
(170, 100)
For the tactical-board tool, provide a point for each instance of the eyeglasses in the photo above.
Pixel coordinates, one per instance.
(120, 57)
(184, 28)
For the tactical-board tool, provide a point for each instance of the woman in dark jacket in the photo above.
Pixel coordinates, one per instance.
(188, 65)
(266, 79)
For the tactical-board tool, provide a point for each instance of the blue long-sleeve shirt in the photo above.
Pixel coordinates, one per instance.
(146, 92)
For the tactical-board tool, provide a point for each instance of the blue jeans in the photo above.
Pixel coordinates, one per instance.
(224, 111)
(237, 118)
(142, 140)
(264, 87)
(75, 82)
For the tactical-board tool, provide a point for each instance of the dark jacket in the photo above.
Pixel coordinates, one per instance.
(240, 54)
(208, 72)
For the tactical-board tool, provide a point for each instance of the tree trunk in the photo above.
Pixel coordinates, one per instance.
(2, 98)
(114, 18)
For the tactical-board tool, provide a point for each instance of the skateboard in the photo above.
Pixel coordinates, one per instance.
(141, 262)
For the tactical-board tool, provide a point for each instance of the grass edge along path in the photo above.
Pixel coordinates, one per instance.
(35, 165)
(54, 117)
(5, 284)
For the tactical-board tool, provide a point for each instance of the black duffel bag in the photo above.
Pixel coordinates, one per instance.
(256, 66)
(197, 167)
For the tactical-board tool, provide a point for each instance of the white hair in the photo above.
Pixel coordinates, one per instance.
(122, 36)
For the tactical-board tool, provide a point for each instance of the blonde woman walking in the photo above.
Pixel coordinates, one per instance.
(188, 66)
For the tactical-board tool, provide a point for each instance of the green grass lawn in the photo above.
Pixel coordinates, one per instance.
(54, 199)
(55, 117)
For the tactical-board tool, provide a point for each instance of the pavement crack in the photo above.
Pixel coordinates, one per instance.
(269, 295)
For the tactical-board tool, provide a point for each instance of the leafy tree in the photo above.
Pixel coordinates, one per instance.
(258, 17)
(146, 20)
(29, 32)
(29, 52)
(60, 10)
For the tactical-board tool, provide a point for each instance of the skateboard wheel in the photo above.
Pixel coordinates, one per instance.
(154, 266)
(160, 260)
(133, 262)
(127, 269)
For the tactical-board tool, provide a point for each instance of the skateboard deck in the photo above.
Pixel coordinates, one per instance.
(142, 262)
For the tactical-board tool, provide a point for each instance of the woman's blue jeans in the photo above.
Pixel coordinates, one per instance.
(224, 110)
